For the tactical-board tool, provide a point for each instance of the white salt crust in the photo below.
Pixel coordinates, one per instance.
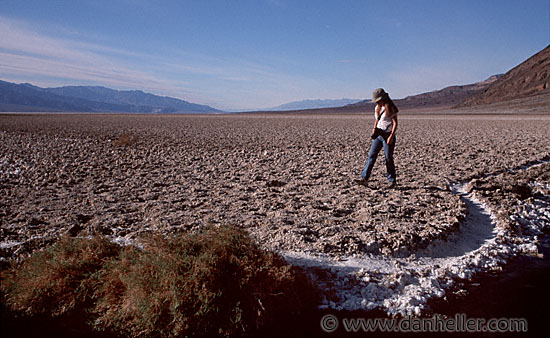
(404, 285)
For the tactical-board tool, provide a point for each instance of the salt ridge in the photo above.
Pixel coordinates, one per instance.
(404, 285)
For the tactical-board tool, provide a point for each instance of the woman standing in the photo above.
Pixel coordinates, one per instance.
(383, 136)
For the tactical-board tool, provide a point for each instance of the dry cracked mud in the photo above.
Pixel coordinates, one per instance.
(287, 179)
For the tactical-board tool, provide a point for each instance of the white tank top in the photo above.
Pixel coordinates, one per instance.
(385, 123)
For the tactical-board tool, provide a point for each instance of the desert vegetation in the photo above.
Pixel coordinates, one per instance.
(213, 283)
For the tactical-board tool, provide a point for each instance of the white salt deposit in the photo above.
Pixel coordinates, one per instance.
(8, 167)
(404, 285)
(9, 244)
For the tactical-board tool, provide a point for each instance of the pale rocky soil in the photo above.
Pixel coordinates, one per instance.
(287, 179)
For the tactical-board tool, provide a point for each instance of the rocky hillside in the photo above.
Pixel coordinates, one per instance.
(530, 78)
(446, 97)
(437, 99)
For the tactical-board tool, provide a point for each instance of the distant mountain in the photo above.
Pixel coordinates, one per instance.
(133, 97)
(312, 104)
(26, 97)
(530, 78)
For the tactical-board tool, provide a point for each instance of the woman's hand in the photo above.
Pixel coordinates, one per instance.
(390, 139)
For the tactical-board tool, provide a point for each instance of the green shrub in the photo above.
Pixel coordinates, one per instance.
(214, 283)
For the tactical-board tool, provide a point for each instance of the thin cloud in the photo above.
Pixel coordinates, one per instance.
(27, 52)
(30, 56)
(35, 65)
(278, 3)
(352, 61)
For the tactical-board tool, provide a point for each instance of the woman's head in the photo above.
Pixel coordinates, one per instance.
(379, 96)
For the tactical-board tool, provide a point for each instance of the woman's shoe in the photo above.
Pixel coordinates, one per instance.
(391, 185)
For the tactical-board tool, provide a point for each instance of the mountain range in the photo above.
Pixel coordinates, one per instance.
(28, 98)
(525, 84)
(313, 104)
(442, 99)
(445, 98)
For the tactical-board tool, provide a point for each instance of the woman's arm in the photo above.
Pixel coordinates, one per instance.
(377, 112)
(393, 129)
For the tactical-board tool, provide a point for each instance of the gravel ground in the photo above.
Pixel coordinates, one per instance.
(288, 179)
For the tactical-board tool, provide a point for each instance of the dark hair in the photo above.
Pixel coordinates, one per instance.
(387, 100)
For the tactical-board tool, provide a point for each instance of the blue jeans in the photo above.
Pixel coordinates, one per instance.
(377, 144)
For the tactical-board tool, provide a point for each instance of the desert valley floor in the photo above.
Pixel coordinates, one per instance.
(287, 179)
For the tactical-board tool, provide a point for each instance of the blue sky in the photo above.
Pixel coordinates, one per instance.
(238, 54)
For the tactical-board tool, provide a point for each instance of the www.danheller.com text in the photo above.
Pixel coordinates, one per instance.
(459, 323)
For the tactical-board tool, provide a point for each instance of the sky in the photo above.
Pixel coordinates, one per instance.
(251, 54)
